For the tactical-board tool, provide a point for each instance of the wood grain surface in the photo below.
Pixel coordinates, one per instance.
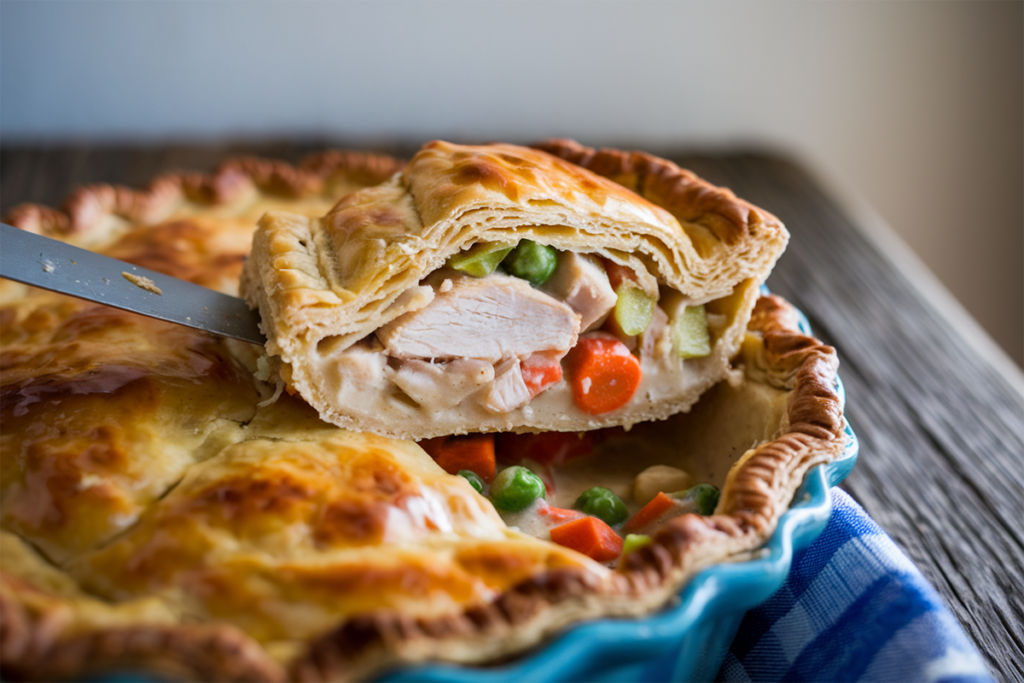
(941, 467)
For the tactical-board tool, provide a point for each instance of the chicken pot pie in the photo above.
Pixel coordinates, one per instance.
(159, 514)
(496, 288)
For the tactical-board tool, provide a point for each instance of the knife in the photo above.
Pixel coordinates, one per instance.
(51, 264)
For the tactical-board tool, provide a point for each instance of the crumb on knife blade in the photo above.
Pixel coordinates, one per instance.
(142, 281)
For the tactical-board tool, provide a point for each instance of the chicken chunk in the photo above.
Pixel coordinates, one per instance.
(508, 391)
(442, 385)
(492, 318)
(581, 282)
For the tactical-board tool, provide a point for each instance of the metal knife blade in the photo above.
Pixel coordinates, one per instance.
(52, 264)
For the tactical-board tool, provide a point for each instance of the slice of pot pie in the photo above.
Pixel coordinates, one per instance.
(496, 288)
(159, 515)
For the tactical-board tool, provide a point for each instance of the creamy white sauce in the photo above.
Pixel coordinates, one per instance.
(704, 443)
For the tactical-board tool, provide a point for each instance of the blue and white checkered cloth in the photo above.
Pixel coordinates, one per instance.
(853, 608)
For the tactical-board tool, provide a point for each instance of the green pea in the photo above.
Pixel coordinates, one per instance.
(634, 542)
(531, 261)
(474, 479)
(603, 504)
(634, 309)
(690, 337)
(703, 497)
(480, 259)
(515, 488)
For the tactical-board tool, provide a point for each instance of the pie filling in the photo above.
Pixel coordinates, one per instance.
(506, 337)
(604, 492)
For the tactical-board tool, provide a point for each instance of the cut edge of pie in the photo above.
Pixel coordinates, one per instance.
(366, 316)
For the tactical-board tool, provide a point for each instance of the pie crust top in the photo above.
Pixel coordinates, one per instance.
(160, 513)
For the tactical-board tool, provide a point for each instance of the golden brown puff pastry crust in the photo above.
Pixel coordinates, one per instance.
(705, 210)
(322, 285)
(179, 527)
(241, 188)
(287, 538)
(102, 411)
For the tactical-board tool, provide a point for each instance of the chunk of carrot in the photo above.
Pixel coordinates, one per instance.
(433, 446)
(648, 514)
(473, 452)
(618, 274)
(540, 371)
(558, 515)
(603, 374)
(590, 536)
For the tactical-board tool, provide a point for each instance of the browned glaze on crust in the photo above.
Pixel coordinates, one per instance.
(287, 537)
(87, 206)
(39, 638)
(205, 252)
(30, 623)
(442, 180)
(91, 402)
(179, 653)
(686, 196)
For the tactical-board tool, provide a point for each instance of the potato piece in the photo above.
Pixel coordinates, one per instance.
(660, 478)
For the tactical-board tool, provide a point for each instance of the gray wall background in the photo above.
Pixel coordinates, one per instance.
(918, 107)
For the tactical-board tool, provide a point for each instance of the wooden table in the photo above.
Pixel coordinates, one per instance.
(940, 417)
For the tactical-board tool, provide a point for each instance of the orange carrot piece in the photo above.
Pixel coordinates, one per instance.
(603, 374)
(540, 372)
(559, 515)
(618, 274)
(473, 452)
(590, 536)
(649, 513)
(433, 446)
